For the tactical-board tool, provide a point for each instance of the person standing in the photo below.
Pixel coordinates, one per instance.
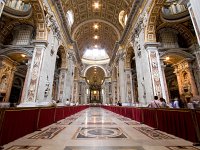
(176, 103)
(163, 103)
(155, 103)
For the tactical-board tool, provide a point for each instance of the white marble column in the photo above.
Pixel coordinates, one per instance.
(156, 71)
(75, 92)
(26, 80)
(70, 77)
(62, 85)
(30, 94)
(114, 91)
(122, 79)
(164, 81)
(129, 87)
(2, 4)
(193, 7)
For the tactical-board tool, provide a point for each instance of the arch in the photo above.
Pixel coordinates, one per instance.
(95, 20)
(88, 67)
(177, 52)
(8, 27)
(150, 30)
(39, 17)
(185, 32)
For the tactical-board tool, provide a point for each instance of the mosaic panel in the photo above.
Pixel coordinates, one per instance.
(18, 147)
(182, 148)
(156, 135)
(105, 148)
(100, 133)
(48, 133)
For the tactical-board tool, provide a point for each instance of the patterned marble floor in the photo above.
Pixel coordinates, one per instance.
(99, 129)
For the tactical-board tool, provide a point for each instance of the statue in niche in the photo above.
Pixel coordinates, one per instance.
(186, 83)
(186, 88)
(3, 84)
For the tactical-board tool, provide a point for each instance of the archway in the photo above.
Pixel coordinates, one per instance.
(95, 78)
(58, 82)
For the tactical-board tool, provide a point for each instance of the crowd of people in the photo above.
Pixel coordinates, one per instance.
(192, 103)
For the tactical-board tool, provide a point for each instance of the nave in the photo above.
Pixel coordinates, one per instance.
(98, 129)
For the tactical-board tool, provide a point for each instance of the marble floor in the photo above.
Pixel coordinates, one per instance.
(99, 129)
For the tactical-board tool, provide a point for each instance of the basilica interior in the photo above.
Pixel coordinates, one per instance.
(93, 55)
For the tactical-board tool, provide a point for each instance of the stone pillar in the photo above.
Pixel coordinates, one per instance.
(193, 7)
(107, 97)
(2, 4)
(155, 69)
(7, 70)
(30, 94)
(114, 91)
(129, 87)
(62, 85)
(122, 78)
(75, 92)
(164, 81)
(70, 77)
(28, 75)
(192, 81)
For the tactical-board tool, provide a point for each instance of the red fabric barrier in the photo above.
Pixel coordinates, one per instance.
(198, 117)
(129, 112)
(149, 117)
(177, 122)
(137, 114)
(46, 117)
(59, 113)
(66, 112)
(18, 123)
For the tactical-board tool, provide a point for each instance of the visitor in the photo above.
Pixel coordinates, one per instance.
(190, 105)
(67, 102)
(176, 103)
(155, 103)
(171, 104)
(163, 103)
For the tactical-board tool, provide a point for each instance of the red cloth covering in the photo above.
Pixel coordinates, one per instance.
(46, 117)
(137, 114)
(177, 122)
(149, 117)
(18, 123)
(59, 113)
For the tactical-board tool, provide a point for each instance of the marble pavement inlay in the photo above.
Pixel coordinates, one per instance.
(100, 133)
(182, 148)
(156, 135)
(132, 123)
(99, 123)
(48, 133)
(20, 147)
(105, 148)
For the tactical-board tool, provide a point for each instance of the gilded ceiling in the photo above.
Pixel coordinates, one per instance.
(107, 16)
(106, 37)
